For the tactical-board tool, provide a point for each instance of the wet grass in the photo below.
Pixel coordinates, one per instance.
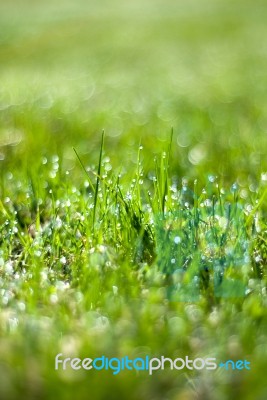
(148, 238)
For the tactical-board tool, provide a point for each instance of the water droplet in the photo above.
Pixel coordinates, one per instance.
(63, 260)
(177, 240)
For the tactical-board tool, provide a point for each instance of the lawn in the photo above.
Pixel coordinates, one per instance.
(133, 198)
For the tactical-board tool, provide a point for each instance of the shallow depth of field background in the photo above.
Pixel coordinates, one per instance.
(138, 70)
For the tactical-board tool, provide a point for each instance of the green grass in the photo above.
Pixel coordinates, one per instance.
(133, 187)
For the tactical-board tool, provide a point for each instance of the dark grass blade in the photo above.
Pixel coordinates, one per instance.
(98, 178)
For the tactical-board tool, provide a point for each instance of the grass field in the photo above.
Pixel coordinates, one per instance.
(133, 196)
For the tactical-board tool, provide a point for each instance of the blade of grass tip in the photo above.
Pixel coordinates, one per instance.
(98, 178)
(255, 209)
(35, 201)
(138, 173)
(3, 210)
(167, 172)
(157, 191)
(136, 186)
(169, 149)
(83, 167)
(6, 214)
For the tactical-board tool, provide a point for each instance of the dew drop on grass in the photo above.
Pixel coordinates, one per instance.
(108, 167)
(222, 221)
(9, 268)
(102, 248)
(177, 240)
(252, 188)
(63, 260)
(58, 223)
(258, 259)
(212, 178)
(248, 208)
(52, 174)
(234, 187)
(55, 158)
(43, 275)
(243, 193)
